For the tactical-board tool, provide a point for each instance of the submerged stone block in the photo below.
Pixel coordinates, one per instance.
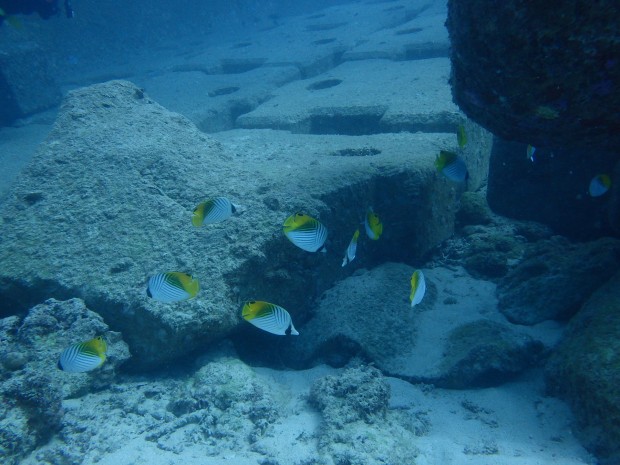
(26, 84)
(364, 97)
(555, 277)
(585, 371)
(107, 202)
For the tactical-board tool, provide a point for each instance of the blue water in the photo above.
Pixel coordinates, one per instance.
(331, 106)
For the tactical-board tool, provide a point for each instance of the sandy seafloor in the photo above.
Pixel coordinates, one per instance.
(513, 424)
(510, 425)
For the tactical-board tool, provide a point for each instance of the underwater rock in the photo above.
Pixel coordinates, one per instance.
(486, 353)
(489, 246)
(358, 394)
(486, 252)
(584, 370)
(51, 327)
(529, 74)
(31, 387)
(26, 83)
(552, 188)
(357, 427)
(222, 399)
(346, 323)
(473, 209)
(442, 341)
(30, 414)
(223, 406)
(555, 277)
(107, 202)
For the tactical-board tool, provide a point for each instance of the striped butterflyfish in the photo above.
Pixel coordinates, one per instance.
(268, 317)
(418, 287)
(451, 166)
(212, 211)
(305, 232)
(373, 225)
(172, 287)
(530, 153)
(83, 356)
(599, 185)
(349, 254)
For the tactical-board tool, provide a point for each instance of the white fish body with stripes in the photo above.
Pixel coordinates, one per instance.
(268, 317)
(349, 254)
(172, 286)
(213, 211)
(83, 356)
(305, 232)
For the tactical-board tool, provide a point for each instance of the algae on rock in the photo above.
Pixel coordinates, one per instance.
(358, 428)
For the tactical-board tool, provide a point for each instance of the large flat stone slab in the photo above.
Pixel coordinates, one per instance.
(313, 43)
(424, 36)
(364, 97)
(26, 82)
(213, 86)
(214, 101)
(107, 201)
(17, 145)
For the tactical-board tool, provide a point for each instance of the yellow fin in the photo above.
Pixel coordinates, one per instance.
(461, 136)
(199, 215)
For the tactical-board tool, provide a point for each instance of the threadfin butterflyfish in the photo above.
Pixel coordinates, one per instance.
(83, 356)
(305, 232)
(213, 211)
(349, 254)
(12, 20)
(599, 185)
(172, 287)
(461, 136)
(530, 153)
(373, 225)
(451, 166)
(268, 317)
(418, 287)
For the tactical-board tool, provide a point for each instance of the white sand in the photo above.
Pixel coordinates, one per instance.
(514, 424)
(508, 425)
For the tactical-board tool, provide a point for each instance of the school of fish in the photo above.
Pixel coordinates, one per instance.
(303, 231)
